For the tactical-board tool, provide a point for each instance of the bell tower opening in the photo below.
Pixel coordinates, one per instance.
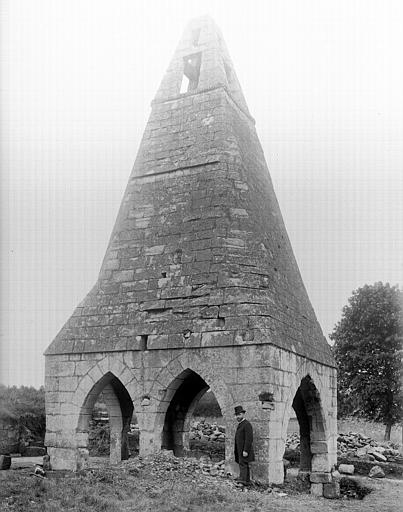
(191, 72)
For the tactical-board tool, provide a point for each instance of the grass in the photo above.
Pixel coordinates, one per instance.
(117, 489)
(122, 489)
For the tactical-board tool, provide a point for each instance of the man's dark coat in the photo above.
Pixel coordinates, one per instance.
(244, 441)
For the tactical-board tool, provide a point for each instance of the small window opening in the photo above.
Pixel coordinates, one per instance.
(195, 36)
(163, 274)
(143, 342)
(191, 72)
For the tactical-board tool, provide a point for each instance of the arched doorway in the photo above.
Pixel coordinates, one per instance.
(189, 389)
(119, 406)
(312, 427)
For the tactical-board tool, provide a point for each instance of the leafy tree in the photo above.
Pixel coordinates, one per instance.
(368, 350)
(27, 404)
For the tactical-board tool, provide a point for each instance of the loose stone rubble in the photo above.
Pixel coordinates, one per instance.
(355, 444)
(165, 462)
(207, 431)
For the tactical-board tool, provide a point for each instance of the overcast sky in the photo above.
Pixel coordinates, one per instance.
(323, 80)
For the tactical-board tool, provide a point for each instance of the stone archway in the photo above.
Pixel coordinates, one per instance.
(120, 410)
(189, 388)
(312, 427)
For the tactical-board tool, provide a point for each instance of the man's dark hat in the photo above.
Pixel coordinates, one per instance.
(239, 409)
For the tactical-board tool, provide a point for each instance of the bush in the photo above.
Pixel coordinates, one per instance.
(99, 438)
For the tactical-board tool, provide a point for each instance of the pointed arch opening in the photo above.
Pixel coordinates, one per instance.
(186, 390)
(119, 406)
(311, 426)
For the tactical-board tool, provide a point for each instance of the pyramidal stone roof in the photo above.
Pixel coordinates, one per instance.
(199, 255)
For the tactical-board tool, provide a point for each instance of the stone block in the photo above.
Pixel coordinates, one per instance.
(68, 383)
(63, 458)
(319, 447)
(320, 462)
(317, 489)
(320, 478)
(346, 469)
(331, 490)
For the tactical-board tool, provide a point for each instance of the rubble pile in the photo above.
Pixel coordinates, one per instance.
(164, 463)
(356, 445)
(204, 431)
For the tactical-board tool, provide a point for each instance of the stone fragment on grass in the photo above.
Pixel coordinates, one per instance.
(376, 472)
(347, 469)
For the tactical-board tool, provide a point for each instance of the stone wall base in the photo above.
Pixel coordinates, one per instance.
(323, 484)
(72, 459)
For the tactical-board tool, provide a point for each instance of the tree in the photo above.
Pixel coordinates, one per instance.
(27, 404)
(368, 351)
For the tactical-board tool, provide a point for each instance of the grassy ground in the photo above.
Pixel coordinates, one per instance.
(122, 489)
(118, 490)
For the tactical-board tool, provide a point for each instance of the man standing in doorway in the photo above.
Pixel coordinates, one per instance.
(243, 446)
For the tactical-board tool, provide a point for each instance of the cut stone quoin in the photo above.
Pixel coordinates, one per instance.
(199, 288)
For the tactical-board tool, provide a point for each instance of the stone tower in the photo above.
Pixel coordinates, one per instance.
(199, 288)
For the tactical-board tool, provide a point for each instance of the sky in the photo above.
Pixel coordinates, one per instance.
(323, 79)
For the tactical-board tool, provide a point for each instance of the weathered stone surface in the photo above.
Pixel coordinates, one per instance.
(347, 469)
(199, 287)
(331, 490)
(376, 472)
(320, 478)
(317, 489)
(378, 456)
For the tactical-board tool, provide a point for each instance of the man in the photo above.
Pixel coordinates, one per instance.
(243, 445)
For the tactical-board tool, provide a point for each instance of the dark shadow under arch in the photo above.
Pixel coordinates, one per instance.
(189, 388)
(312, 429)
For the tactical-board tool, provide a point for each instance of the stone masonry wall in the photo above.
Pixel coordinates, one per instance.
(235, 375)
(199, 275)
(201, 250)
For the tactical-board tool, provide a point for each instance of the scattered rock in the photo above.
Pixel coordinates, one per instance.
(207, 431)
(378, 456)
(361, 452)
(376, 472)
(165, 461)
(347, 469)
(354, 445)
